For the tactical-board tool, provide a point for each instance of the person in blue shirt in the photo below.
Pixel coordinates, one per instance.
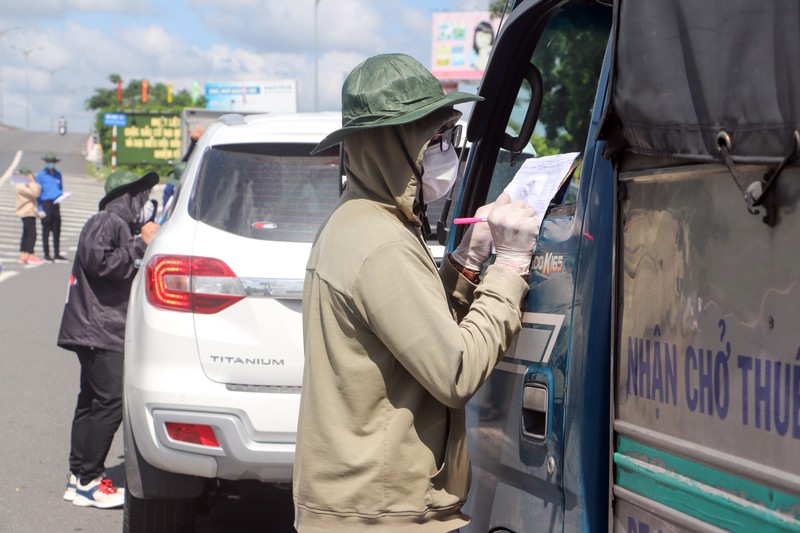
(52, 187)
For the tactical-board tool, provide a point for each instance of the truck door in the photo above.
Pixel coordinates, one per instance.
(538, 429)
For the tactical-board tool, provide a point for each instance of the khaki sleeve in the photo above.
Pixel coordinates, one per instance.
(411, 316)
(460, 289)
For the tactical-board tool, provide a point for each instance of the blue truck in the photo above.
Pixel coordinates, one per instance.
(655, 385)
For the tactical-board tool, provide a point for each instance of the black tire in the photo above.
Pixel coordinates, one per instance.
(158, 515)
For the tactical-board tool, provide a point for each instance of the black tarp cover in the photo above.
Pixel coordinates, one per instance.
(683, 70)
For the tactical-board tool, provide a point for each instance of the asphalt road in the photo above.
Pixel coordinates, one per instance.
(39, 387)
(34, 145)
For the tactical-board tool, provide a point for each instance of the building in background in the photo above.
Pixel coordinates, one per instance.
(253, 96)
(462, 43)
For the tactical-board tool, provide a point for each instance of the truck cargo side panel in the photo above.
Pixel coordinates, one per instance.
(707, 383)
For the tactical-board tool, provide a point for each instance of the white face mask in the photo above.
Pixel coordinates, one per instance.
(440, 170)
(147, 213)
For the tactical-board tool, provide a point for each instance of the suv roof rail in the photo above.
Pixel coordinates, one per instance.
(232, 119)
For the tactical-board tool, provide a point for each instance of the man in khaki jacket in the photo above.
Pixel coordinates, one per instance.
(394, 347)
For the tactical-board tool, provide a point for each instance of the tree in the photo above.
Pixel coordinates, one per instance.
(496, 7)
(569, 55)
(104, 100)
(570, 65)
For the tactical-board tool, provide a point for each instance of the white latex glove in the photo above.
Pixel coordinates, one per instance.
(515, 230)
(476, 246)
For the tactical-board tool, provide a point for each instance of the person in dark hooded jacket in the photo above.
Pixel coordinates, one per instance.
(93, 326)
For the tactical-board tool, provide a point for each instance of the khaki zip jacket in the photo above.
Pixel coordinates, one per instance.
(26, 200)
(389, 366)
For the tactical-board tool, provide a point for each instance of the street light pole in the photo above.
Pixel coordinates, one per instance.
(316, 60)
(2, 86)
(72, 91)
(52, 72)
(26, 52)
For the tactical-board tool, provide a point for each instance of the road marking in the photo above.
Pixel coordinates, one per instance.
(7, 275)
(74, 213)
(10, 169)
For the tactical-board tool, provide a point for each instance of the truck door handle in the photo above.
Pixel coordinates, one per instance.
(535, 399)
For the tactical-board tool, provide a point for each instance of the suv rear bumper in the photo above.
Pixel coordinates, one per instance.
(243, 452)
(238, 456)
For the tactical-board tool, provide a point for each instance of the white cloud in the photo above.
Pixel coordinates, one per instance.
(350, 25)
(44, 9)
(288, 25)
(197, 41)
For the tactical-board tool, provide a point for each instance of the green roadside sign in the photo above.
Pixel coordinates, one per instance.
(149, 138)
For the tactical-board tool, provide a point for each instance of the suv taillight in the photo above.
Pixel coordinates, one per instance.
(196, 284)
(192, 433)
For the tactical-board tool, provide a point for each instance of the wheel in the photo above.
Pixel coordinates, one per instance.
(158, 515)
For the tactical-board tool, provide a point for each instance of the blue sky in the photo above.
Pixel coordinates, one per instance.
(75, 44)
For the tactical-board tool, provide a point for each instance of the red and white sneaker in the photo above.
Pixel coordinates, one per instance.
(100, 493)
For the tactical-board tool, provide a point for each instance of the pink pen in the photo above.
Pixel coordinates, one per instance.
(469, 220)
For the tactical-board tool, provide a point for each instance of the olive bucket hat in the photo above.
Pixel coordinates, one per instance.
(51, 157)
(174, 176)
(389, 90)
(120, 181)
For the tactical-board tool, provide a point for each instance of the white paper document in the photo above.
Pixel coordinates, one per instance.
(539, 179)
(63, 197)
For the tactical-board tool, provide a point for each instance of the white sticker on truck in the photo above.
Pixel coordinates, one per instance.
(535, 342)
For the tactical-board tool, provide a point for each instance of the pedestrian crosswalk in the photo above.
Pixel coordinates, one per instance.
(75, 210)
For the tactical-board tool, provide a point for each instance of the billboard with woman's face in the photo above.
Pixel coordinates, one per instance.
(462, 43)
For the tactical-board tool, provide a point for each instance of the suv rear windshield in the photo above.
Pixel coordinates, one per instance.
(275, 192)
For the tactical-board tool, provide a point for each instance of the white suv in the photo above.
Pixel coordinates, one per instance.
(213, 345)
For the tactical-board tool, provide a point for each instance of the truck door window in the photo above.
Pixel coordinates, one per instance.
(569, 56)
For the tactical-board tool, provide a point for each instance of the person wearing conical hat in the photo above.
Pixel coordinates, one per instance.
(394, 345)
(93, 326)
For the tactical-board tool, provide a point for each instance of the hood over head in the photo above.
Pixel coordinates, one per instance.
(377, 168)
(128, 205)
